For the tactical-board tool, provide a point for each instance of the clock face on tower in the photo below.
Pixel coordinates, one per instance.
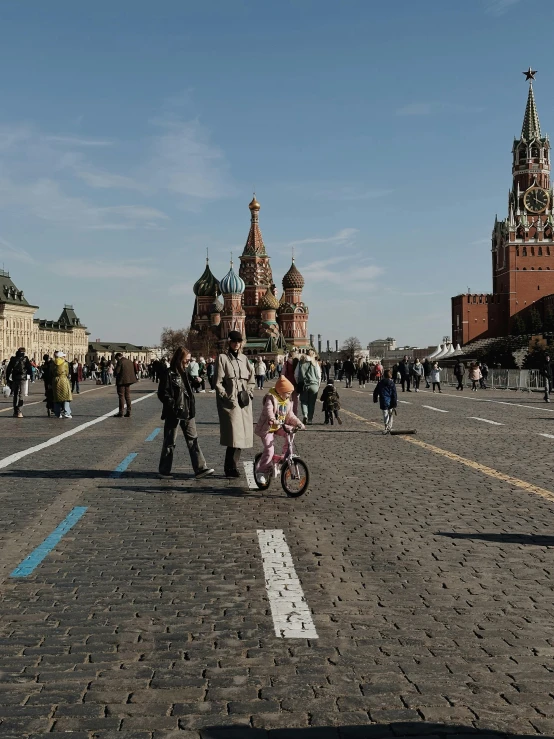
(536, 199)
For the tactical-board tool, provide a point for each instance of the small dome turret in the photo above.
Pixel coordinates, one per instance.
(216, 307)
(293, 278)
(269, 301)
(232, 284)
(207, 285)
(254, 205)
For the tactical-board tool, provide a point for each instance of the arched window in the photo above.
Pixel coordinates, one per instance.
(522, 153)
(534, 152)
(540, 251)
(517, 251)
(520, 233)
(524, 251)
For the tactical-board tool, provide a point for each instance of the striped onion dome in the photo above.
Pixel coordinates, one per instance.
(207, 285)
(269, 301)
(293, 278)
(232, 284)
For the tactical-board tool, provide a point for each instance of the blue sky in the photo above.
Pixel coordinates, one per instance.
(377, 137)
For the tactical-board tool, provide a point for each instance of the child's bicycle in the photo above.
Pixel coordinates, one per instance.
(295, 475)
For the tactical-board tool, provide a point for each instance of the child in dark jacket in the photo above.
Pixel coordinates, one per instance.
(331, 405)
(385, 393)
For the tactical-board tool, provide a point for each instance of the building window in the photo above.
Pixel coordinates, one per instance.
(534, 152)
(540, 251)
(532, 248)
(524, 251)
(522, 153)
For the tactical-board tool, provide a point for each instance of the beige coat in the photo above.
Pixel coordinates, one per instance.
(59, 379)
(235, 423)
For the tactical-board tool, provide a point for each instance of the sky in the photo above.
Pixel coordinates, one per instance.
(377, 137)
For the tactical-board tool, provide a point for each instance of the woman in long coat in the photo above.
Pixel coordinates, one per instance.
(61, 387)
(234, 374)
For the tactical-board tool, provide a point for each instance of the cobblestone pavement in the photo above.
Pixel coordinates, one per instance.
(429, 579)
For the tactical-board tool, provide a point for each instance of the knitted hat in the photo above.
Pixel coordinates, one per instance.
(284, 386)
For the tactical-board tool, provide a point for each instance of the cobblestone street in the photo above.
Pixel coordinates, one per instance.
(426, 563)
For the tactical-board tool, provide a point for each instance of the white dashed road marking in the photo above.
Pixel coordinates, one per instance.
(249, 472)
(485, 420)
(431, 408)
(406, 402)
(291, 615)
(548, 436)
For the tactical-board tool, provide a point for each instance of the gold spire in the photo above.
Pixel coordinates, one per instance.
(254, 205)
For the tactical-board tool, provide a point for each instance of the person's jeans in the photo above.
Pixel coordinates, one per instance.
(547, 388)
(232, 458)
(75, 386)
(260, 381)
(387, 418)
(482, 384)
(427, 381)
(308, 398)
(211, 380)
(438, 385)
(188, 427)
(460, 385)
(58, 408)
(104, 377)
(405, 382)
(124, 394)
(417, 380)
(18, 390)
(266, 461)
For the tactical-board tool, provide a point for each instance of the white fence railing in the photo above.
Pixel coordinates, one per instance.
(502, 379)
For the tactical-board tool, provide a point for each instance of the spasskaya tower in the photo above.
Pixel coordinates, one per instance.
(522, 243)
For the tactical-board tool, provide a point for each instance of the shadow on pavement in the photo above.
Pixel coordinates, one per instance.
(168, 488)
(371, 731)
(532, 539)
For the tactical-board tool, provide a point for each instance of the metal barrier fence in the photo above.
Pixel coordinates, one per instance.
(502, 379)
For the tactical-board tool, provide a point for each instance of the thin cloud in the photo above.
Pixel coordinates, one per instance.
(99, 179)
(499, 7)
(105, 269)
(76, 141)
(344, 236)
(343, 271)
(181, 288)
(416, 109)
(14, 253)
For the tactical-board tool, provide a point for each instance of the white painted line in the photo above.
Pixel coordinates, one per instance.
(249, 472)
(406, 402)
(485, 420)
(487, 400)
(56, 439)
(431, 408)
(548, 436)
(37, 402)
(291, 615)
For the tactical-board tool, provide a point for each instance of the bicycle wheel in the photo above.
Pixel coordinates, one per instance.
(257, 475)
(295, 477)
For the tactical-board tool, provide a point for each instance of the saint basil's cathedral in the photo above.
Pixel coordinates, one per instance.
(250, 304)
(522, 244)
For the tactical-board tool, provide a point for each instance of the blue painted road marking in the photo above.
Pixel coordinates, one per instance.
(153, 435)
(122, 466)
(35, 558)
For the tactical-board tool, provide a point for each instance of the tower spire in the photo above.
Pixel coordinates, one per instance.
(531, 128)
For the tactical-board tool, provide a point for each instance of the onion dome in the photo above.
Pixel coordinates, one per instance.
(254, 205)
(232, 284)
(207, 285)
(216, 307)
(293, 278)
(269, 301)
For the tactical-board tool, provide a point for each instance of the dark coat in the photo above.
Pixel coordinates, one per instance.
(427, 368)
(125, 372)
(546, 370)
(18, 370)
(330, 398)
(404, 367)
(349, 368)
(385, 393)
(175, 392)
(459, 369)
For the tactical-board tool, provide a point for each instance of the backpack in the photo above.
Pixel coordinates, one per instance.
(19, 369)
(308, 374)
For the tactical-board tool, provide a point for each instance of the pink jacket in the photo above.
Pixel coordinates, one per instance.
(475, 373)
(267, 416)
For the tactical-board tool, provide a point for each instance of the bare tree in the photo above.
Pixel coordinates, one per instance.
(351, 347)
(172, 339)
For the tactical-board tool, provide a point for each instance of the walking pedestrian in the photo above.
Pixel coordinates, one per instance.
(436, 376)
(17, 373)
(349, 370)
(484, 374)
(289, 369)
(179, 409)
(417, 374)
(76, 375)
(124, 377)
(45, 372)
(331, 403)
(474, 376)
(385, 394)
(61, 388)
(427, 372)
(404, 368)
(260, 369)
(546, 373)
(459, 373)
(104, 370)
(308, 379)
(210, 374)
(234, 392)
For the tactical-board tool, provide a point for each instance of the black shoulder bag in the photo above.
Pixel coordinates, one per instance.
(243, 398)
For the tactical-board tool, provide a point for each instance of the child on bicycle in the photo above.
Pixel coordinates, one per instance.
(331, 403)
(277, 417)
